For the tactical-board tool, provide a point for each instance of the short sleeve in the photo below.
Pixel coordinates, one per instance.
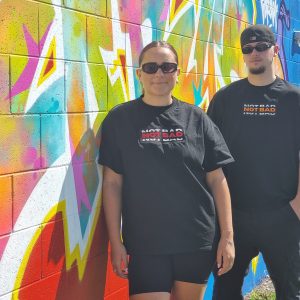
(217, 153)
(109, 151)
(215, 108)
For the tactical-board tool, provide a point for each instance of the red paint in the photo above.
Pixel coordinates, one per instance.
(33, 268)
(123, 62)
(113, 282)
(59, 283)
(53, 247)
(50, 65)
(43, 289)
(177, 4)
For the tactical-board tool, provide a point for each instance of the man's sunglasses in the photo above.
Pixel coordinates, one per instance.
(152, 67)
(259, 48)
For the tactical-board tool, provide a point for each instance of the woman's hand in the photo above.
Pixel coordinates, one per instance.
(119, 260)
(225, 253)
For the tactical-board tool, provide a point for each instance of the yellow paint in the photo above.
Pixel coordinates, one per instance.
(254, 11)
(254, 264)
(43, 76)
(124, 73)
(174, 12)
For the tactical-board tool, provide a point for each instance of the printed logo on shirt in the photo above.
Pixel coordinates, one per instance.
(161, 135)
(267, 110)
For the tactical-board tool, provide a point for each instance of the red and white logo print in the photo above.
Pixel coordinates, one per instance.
(161, 135)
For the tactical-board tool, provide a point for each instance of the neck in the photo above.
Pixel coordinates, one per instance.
(157, 100)
(262, 79)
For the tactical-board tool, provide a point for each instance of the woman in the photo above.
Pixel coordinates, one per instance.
(162, 163)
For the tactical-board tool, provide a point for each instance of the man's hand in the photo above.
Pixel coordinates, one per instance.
(295, 204)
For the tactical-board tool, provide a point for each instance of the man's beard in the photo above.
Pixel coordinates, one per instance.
(257, 71)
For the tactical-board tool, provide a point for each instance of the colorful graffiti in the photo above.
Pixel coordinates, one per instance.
(63, 65)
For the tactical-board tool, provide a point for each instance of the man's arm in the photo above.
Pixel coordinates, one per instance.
(295, 203)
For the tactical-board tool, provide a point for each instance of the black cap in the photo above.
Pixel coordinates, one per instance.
(257, 33)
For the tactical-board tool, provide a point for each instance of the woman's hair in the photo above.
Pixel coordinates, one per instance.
(153, 44)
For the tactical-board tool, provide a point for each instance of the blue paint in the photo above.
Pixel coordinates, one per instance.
(52, 100)
(250, 281)
(197, 93)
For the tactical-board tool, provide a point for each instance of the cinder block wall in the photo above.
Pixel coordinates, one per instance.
(63, 65)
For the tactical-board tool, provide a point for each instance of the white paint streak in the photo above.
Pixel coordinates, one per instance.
(146, 32)
(269, 12)
(110, 57)
(91, 99)
(55, 31)
(192, 62)
(170, 26)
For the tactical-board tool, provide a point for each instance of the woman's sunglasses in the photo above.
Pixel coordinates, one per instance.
(259, 48)
(152, 67)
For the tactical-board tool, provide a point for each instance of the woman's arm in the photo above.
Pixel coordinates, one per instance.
(112, 202)
(218, 186)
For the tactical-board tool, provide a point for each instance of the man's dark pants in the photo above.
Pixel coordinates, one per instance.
(276, 235)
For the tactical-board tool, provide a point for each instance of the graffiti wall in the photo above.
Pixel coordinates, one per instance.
(63, 65)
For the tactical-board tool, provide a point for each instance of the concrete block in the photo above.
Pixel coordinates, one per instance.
(5, 205)
(74, 35)
(55, 140)
(19, 143)
(106, 41)
(37, 85)
(22, 257)
(86, 87)
(97, 7)
(192, 56)
(4, 84)
(125, 10)
(19, 27)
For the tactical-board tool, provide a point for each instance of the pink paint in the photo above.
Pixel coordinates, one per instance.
(80, 187)
(26, 78)
(3, 242)
(239, 16)
(164, 13)
(30, 155)
(81, 192)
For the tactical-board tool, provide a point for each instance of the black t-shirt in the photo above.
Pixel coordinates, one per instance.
(261, 125)
(163, 154)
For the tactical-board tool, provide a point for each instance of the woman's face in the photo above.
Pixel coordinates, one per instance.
(158, 84)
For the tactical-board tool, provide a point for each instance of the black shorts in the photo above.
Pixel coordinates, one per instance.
(157, 273)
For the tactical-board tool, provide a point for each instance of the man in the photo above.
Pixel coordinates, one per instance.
(259, 117)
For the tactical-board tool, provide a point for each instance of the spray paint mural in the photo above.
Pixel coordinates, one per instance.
(63, 65)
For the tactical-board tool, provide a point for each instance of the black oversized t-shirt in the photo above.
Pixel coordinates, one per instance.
(163, 154)
(261, 125)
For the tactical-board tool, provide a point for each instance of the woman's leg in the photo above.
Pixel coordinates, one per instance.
(150, 277)
(151, 296)
(191, 272)
(188, 291)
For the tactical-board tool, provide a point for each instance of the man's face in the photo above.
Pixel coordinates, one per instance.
(260, 59)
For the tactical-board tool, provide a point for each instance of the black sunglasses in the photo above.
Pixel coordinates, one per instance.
(152, 67)
(259, 48)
